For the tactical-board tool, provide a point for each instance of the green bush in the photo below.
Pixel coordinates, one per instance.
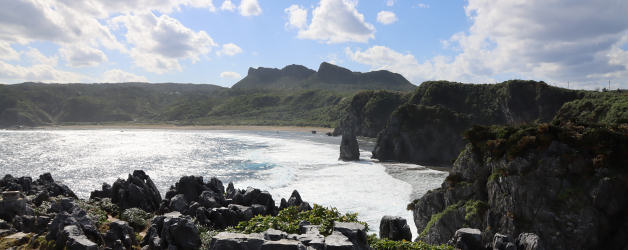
(384, 244)
(137, 218)
(288, 220)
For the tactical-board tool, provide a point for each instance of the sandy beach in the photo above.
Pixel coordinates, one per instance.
(185, 127)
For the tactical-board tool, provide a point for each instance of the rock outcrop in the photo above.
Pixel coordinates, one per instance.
(428, 128)
(562, 185)
(368, 112)
(349, 148)
(137, 191)
(172, 231)
(394, 228)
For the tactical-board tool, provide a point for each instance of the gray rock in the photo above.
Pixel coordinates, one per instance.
(236, 241)
(243, 212)
(274, 234)
(309, 229)
(503, 242)
(467, 239)
(349, 149)
(283, 244)
(338, 241)
(356, 232)
(529, 241)
(73, 238)
(137, 191)
(12, 204)
(223, 217)
(231, 191)
(172, 230)
(120, 235)
(210, 199)
(394, 228)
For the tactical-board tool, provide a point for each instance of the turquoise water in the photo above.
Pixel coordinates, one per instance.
(275, 161)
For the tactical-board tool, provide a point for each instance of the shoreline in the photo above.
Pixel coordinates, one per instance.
(183, 127)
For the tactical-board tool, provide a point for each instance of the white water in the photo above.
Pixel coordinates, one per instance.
(275, 161)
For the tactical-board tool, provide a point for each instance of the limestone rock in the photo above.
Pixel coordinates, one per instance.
(394, 228)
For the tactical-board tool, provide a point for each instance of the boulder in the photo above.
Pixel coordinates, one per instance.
(12, 203)
(236, 241)
(137, 191)
(296, 201)
(274, 234)
(210, 199)
(31, 224)
(105, 192)
(120, 236)
(172, 230)
(223, 217)
(46, 183)
(243, 212)
(72, 237)
(231, 191)
(467, 239)
(503, 242)
(356, 232)
(529, 241)
(338, 241)
(349, 149)
(394, 228)
(69, 214)
(178, 203)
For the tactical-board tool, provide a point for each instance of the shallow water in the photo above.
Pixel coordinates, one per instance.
(275, 161)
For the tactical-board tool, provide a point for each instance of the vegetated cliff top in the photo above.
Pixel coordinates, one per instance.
(328, 76)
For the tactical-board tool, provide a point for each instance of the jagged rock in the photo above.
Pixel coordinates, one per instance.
(283, 244)
(356, 232)
(394, 228)
(231, 191)
(120, 236)
(467, 239)
(295, 201)
(137, 218)
(68, 214)
(46, 183)
(529, 241)
(223, 217)
(10, 183)
(4, 224)
(210, 199)
(503, 242)
(178, 203)
(338, 241)
(349, 149)
(243, 213)
(41, 197)
(274, 234)
(31, 224)
(12, 204)
(236, 241)
(137, 191)
(72, 237)
(105, 192)
(172, 230)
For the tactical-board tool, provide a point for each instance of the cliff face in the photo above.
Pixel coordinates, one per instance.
(428, 128)
(565, 183)
(369, 111)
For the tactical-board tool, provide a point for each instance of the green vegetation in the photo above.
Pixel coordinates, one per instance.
(288, 220)
(137, 218)
(474, 208)
(206, 234)
(596, 108)
(384, 244)
(436, 217)
(96, 212)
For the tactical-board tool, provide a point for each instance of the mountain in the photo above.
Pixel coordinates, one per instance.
(328, 77)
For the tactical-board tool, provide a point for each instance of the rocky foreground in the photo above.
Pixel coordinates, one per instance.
(130, 214)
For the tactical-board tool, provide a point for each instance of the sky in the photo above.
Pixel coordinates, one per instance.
(582, 43)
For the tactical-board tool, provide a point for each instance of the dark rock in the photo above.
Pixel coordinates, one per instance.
(72, 237)
(283, 245)
(243, 213)
(236, 241)
(356, 232)
(467, 239)
(178, 203)
(349, 149)
(120, 235)
(210, 199)
(223, 217)
(529, 241)
(296, 201)
(46, 183)
(31, 224)
(172, 230)
(394, 228)
(10, 183)
(105, 192)
(12, 204)
(190, 186)
(4, 224)
(274, 234)
(137, 191)
(503, 242)
(69, 214)
(231, 191)
(40, 198)
(338, 241)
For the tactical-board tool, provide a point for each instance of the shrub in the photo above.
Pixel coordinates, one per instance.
(137, 218)
(385, 244)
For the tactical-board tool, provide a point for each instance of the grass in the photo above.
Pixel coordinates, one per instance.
(384, 244)
(137, 218)
(436, 217)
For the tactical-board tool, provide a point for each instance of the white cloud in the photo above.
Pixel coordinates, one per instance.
(297, 16)
(230, 74)
(390, 2)
(7, 52)
(338, 21)
(34, 56)
(423, 6)
(161, 41)
(81, 55)
(230, 49)
(39, 73)
(227, 5)
(117, 76)
(386, 17)
(249, 8)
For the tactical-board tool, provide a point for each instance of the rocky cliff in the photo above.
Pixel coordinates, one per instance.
(369, 111)
(562, 182)
(428, 128)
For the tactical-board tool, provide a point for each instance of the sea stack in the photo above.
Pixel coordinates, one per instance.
(349, 149)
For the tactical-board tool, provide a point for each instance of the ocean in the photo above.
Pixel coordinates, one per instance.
(277, 161)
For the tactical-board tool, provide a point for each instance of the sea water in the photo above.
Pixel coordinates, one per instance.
(277, 161)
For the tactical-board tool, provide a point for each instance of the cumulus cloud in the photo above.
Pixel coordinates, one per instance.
(230, 49)
(39, 72)
(337, 21)
(390, 2)
(297, 17)
(230, 74)
(7, 52)
(227, 5)
(118, 75)
(556, 41)
(160, 41)
(81, 55)
(249, 8)
(386, 17)
(34, 56)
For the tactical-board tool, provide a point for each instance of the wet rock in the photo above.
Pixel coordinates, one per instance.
(349, 149)
(467, 239)
(120, 235)
(529, 241)
(394, 228)
(228, 241)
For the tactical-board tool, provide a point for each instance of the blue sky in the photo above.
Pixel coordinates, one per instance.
(205, 41)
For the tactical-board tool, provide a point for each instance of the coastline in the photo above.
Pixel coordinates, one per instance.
(184, 127)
